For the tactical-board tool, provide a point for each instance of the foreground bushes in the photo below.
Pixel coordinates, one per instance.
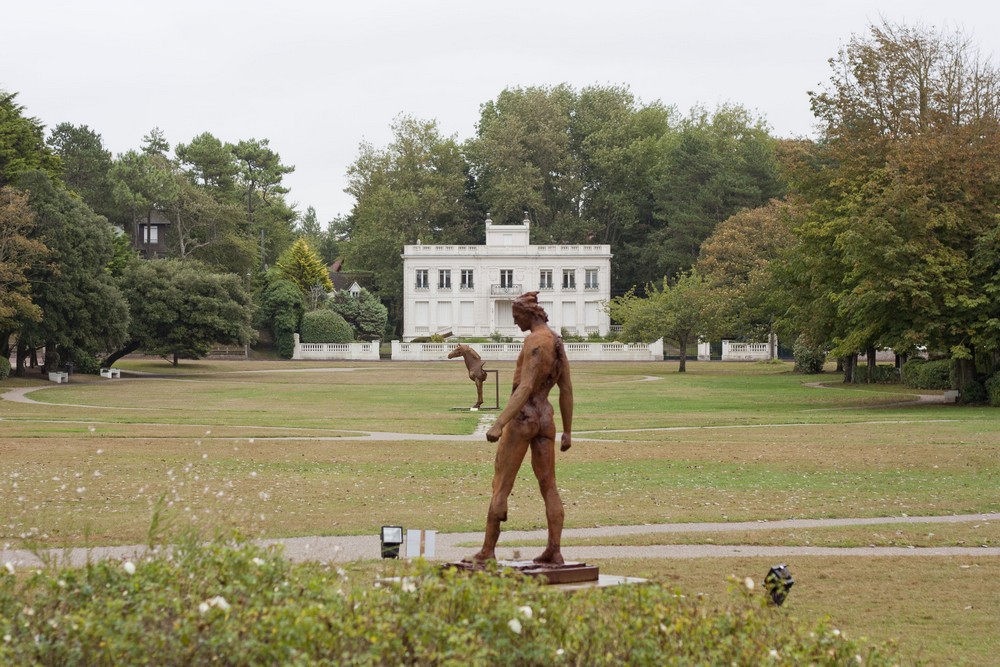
(243, 605)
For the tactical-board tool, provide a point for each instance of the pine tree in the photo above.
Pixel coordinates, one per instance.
(303, 266)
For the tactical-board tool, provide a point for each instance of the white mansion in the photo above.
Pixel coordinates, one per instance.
(468, 289)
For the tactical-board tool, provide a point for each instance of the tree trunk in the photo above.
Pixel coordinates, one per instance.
(682, 368)
(129, 348)
(850, 362)
(51, 358)
(871, 365)
(175, 359)
(965, 372)
(19, 361)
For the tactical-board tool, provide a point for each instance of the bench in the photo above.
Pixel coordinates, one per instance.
(58, 377)
(111, 373)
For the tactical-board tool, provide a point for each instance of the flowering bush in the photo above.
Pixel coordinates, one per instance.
(240, 604)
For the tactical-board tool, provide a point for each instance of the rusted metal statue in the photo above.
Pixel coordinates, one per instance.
(474, 364)
(528, 422)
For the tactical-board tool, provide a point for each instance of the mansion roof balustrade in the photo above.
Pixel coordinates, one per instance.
(494, 251)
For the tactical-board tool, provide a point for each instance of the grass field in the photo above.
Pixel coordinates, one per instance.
(276, 449)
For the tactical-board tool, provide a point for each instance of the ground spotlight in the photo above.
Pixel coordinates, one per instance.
(392, 537)
(778, 582)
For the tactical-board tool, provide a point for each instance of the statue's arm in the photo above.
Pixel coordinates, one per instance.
(566, 407)
(522, 392)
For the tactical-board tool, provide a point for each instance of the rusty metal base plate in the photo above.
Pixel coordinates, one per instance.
(567, 573)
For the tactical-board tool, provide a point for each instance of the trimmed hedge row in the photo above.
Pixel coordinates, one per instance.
(325, 326)
(922, 374)
(243, 605)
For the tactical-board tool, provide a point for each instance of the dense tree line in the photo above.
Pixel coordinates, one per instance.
(881, 232)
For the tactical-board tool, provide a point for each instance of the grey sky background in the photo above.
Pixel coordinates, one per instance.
(318, 78)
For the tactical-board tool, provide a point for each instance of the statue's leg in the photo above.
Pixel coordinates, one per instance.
(543, 462)
(511, 448)
(479, 393)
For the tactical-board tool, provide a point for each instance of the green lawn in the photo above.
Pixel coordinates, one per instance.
(271, 448)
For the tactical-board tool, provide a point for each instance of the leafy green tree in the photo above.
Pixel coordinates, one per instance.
(22, 143)
(209, 162)
(523, 159)
(689, 309)
(86, 165)
(414, 189)
(280, 310)
(904, 196)
(260, 172)
(19, 252)
(737, 259)
(717, 164)
(82, 307)
(183, 310)
(364, 312)
(301, 265)
(309, 226)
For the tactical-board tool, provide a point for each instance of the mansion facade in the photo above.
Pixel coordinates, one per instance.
(468, 290)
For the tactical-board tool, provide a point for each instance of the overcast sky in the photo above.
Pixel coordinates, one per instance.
(317, 78)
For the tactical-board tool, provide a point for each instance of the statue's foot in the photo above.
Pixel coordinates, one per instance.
(481, 557)
(551, 556)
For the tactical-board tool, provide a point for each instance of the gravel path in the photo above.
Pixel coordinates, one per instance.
(366, 547)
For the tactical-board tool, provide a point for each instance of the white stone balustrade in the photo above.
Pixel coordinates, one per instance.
(363, 351)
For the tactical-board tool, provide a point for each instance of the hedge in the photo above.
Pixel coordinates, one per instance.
(922, 374)
(241, 604)
(325, 326)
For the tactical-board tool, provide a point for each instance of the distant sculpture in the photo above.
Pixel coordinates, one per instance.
(474, 364)
(527, 422)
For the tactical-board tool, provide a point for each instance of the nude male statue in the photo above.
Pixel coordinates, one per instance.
(527, 421)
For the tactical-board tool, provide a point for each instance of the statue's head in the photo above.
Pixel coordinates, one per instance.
(526, 309)
(458, 351)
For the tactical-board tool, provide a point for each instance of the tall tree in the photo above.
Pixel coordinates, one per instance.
(86, 165)
(19, 252)
(413, 189)
(22, 143)
(909, 189)
(268, 216)
(209, 162)
(737, 259)
(83, 310)
(523, 160)
(717, 164)
(183, 309)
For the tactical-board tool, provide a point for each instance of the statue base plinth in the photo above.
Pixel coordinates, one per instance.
(567, 573)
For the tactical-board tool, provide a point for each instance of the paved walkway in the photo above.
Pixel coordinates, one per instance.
(367, 547)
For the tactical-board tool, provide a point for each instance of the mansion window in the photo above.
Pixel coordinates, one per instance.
(421, 279)
(467, 282)
(444, 279)
(150, 233)
(506, 278)
(569, 279)
(545, 279)
(590, 279)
